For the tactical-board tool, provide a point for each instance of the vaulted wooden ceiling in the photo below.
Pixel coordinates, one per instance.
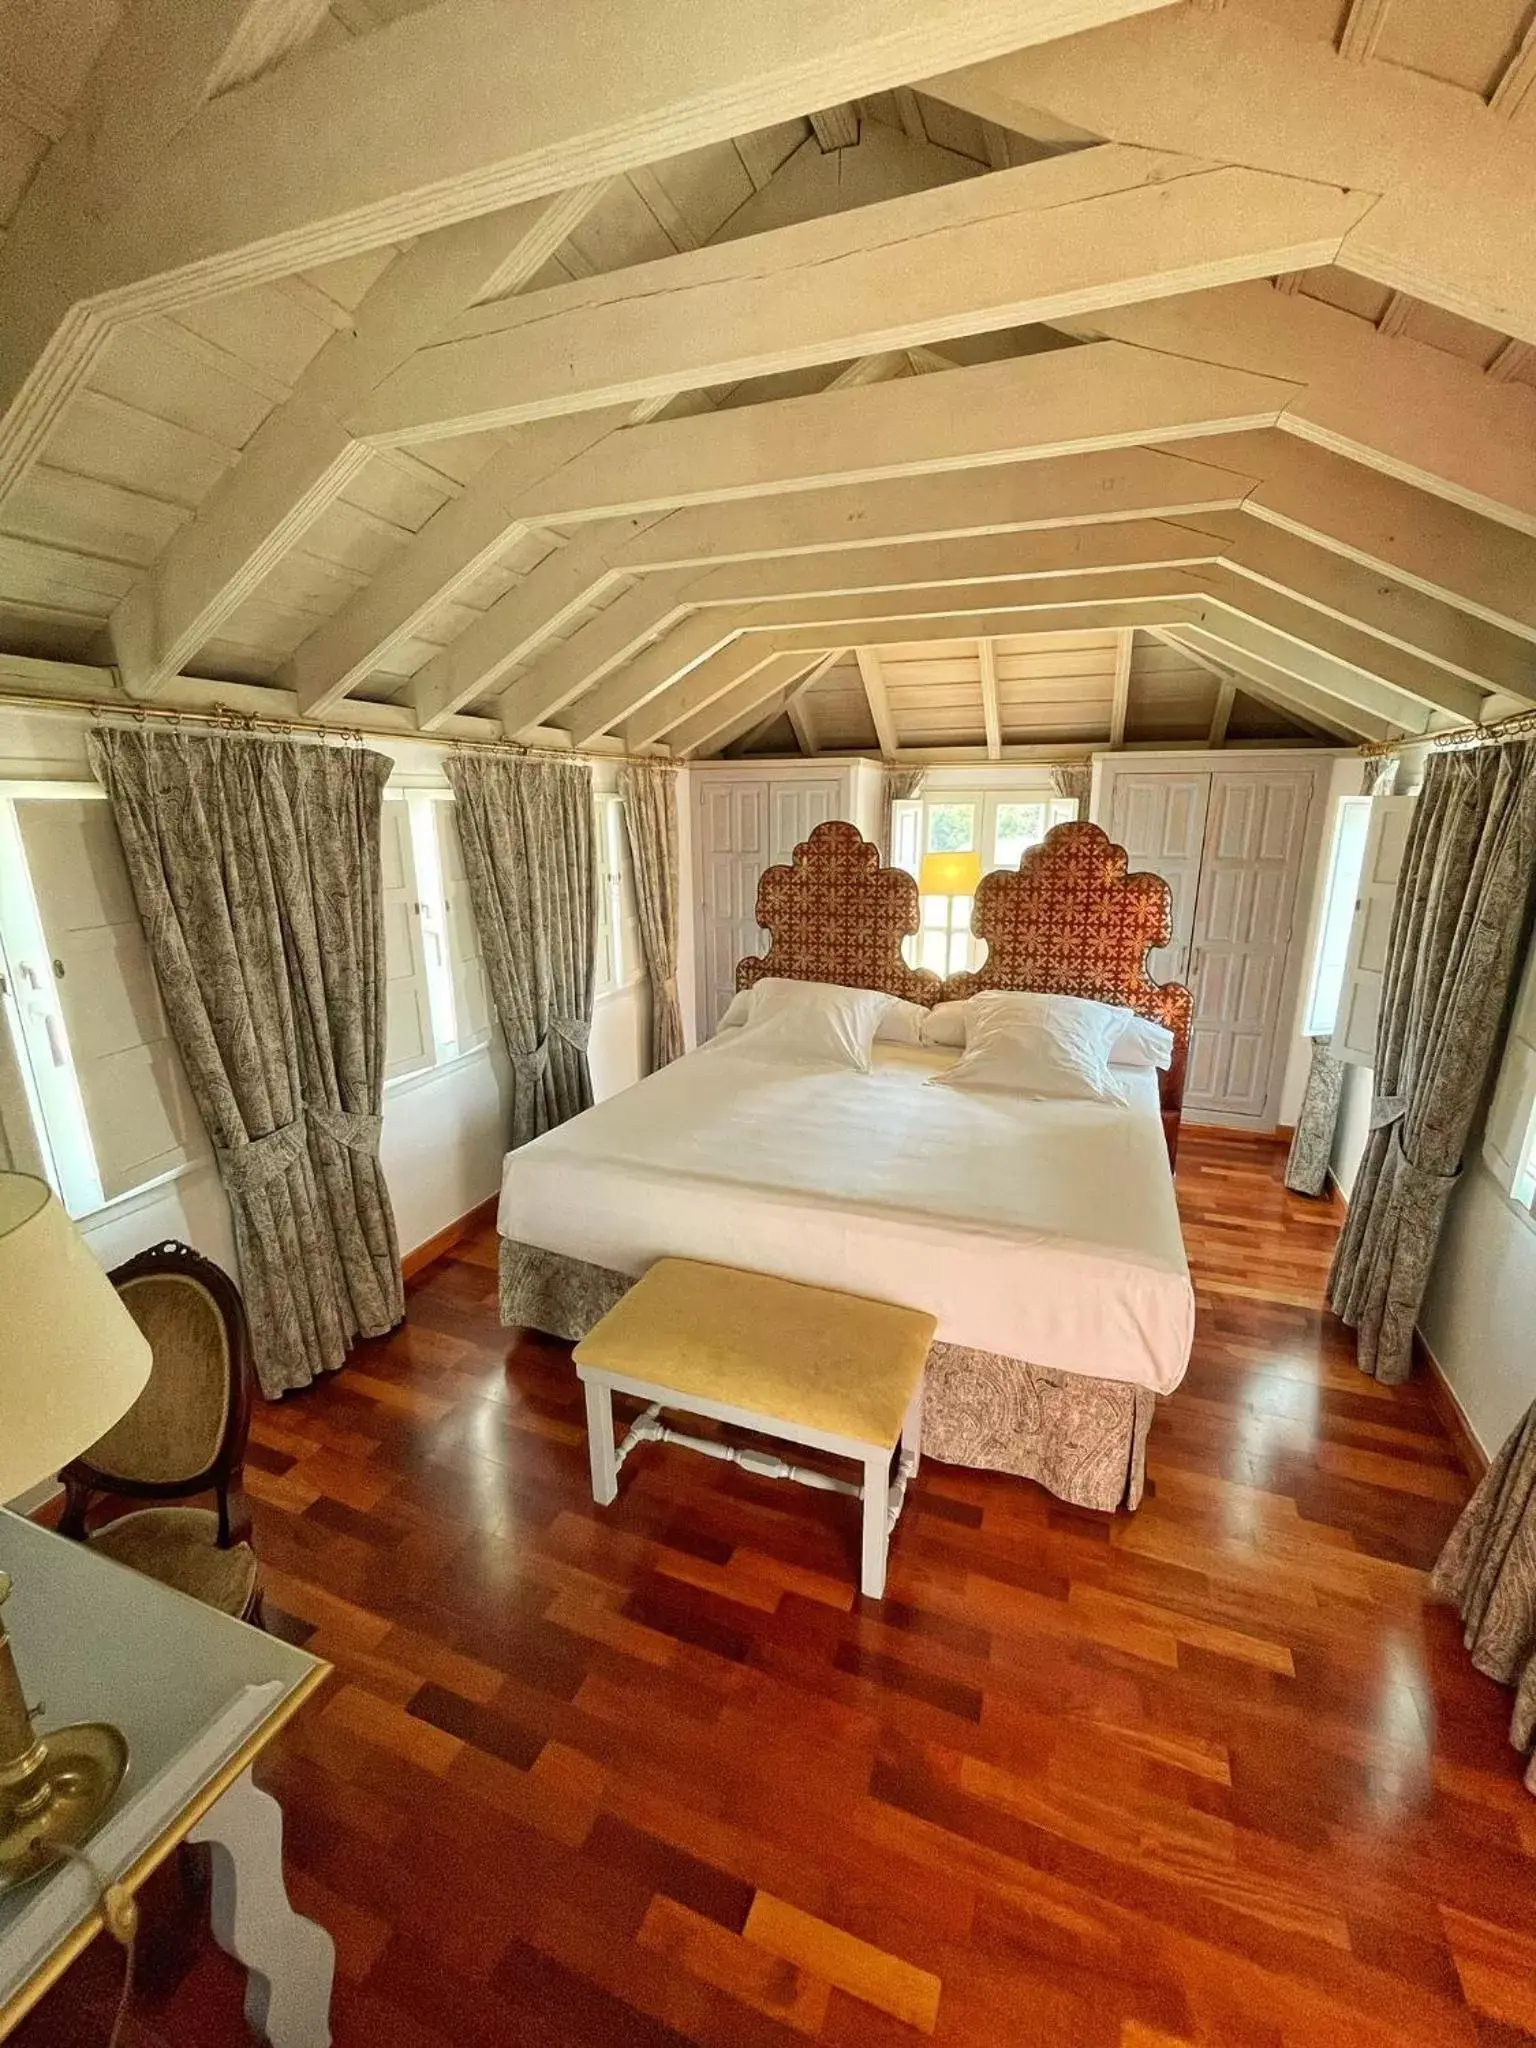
(1172, 379)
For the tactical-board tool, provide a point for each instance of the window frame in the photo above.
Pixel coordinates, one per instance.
(1336, 915)
(961, 950)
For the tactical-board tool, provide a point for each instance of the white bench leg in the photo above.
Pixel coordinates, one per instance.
(877, 1507)
(912, 1432)
(600, 1445)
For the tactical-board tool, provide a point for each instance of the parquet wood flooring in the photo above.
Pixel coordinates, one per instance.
(656, 1774)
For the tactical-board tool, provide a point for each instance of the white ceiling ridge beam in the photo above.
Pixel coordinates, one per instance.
(1414, 412)
(1454, 224)
(1049, 241)
(466, 536)
(818, 586)
(920, 601)
(1030, 408)
(299, 459)
(170, 201)
(1281, 686)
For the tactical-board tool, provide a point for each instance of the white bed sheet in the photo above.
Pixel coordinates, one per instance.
(1045, 1231)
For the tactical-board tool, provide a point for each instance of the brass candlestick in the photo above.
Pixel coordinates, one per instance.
(54, 1789)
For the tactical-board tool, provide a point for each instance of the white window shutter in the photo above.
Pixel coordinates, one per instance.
(138, 1106)
(1354, 1032)
(1508, 1137)
(471, 998)
(408, 1041)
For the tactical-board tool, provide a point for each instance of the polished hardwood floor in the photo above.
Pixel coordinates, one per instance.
(1212, 1772)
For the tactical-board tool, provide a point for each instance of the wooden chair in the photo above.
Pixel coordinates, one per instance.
(186, 1434)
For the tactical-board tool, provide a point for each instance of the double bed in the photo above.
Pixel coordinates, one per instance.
(1044, 1235)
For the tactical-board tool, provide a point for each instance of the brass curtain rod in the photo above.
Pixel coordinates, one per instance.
(223, 722)
(1518, 726)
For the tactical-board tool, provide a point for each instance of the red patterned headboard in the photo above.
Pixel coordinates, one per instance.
(1070, 921)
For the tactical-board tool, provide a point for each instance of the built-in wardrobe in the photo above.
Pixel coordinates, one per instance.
(1236, 837)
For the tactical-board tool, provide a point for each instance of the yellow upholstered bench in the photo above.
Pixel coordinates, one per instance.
(833, 1371)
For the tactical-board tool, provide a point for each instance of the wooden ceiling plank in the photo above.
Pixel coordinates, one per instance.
(873, 678)
(1125, 644)
(1281, 686)
(298, 460)
(1051, 240)
(616, 695)
(766, 675)
(1363, 25)
(986, 655)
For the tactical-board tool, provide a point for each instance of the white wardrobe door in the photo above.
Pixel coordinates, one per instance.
(1160, 821)
(798, 806)
(1243, 914)
(138, 1106)
(732, 842)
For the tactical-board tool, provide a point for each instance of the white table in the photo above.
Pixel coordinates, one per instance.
(198, 1696)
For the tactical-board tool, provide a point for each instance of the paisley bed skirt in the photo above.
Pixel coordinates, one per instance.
(1083, 1440)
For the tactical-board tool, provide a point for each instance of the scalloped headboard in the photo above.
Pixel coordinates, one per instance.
(1070, 921)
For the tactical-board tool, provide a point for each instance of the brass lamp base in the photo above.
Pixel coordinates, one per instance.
(81, 1769)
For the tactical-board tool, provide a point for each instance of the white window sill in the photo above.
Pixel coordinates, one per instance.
(133, 1199)
(406, 1084)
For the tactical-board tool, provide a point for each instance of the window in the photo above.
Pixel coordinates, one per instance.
(999, 824)
(1509, 1141)
(105, 1086)
(1346, 857)
(1357, 1005)
(435, 995)
(619, 960)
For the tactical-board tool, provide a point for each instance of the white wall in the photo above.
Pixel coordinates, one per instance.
(444, 1130)
(1479, 1317)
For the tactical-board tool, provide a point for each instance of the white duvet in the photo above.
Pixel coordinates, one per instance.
(1045, 1231)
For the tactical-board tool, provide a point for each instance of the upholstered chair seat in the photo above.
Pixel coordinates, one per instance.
(185, 1435)
(180, 1548)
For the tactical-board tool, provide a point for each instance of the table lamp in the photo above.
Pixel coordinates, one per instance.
(949, 875)
(72, 1361)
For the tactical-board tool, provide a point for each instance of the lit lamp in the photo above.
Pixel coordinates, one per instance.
(950, 875)
(72, 1361)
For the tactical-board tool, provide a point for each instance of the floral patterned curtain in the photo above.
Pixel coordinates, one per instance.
(526, 829)
(1451, 954)
(255, 867)
(649, 796)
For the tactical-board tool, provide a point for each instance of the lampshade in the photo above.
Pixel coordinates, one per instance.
(950, 874)
(72, 1359)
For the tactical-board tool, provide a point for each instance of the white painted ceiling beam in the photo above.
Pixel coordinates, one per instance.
(1025, 409)
(733, 712)
(1120, 694)
(1049, 241)
(1112, 487)
(684, 699)
(299, 459)
(157, 69)
(1429, 418)
(991, 720)
(658, 601)
(1281, 686)
(1453, 225)
(1314, 666)
(488, 104)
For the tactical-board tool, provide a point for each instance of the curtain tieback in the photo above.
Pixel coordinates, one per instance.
(357, 1130)
(1432, 1188)
(669, 988)
(532, 1066)
(256, 1163)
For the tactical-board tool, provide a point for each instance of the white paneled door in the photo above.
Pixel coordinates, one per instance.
(1160, 821)
(743, 825)
(1254, 832)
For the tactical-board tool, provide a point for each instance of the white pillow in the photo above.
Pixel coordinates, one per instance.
(945, 1025)
(902, 1023)
(808, 1023)
(1142, 1043)
(1047, 1048)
